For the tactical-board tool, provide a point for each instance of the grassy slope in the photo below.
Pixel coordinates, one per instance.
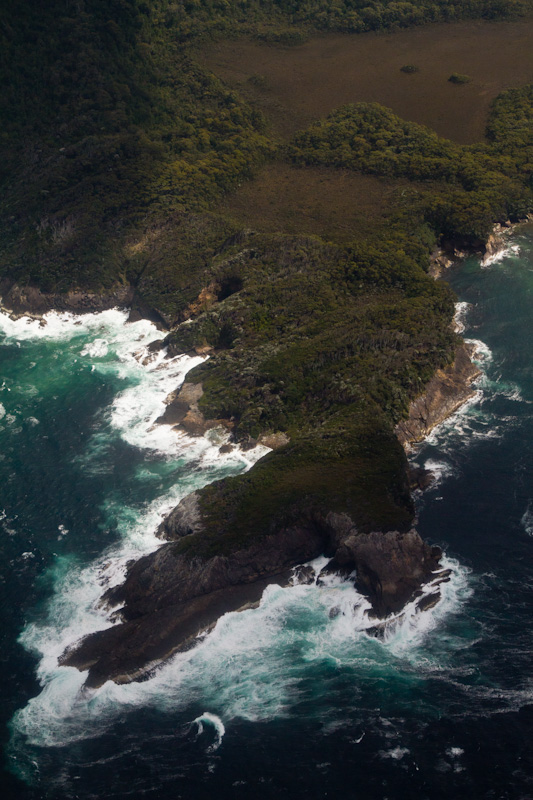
(118, 147)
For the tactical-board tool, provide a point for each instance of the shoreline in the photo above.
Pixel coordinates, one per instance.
(134, 647)
(448, 390)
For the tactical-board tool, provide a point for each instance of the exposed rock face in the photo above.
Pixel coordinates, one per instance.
(496, 242)
(440, 261)
(390, 566)
(273, 440)
(445, 393)
(181, 403)
(21, 301)
(183, 520)
(170, 597)
(420, 478)
(182, 411)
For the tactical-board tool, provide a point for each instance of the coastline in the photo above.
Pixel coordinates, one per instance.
(238, 412)
(446, 392)
(132, 649)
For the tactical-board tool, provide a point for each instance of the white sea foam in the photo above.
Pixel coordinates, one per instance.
(407, 630)
(510, 251)
(96, 349)
(252, 664)
(64, 325)
(460, 317)
(2, 411)
(396, 753)
(74, 610)
(441, 470)
(454, 752)
(214, 722)
(482, 354)
(457, 425)
(527, 519)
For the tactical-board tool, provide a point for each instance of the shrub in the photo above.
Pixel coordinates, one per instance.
(457, 78)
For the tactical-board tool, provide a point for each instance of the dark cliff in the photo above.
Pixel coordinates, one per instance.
(170, 598)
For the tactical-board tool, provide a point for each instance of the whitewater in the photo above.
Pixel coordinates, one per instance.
(297, 681)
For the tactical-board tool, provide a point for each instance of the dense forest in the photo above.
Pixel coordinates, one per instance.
(478, 184)
(117, 144)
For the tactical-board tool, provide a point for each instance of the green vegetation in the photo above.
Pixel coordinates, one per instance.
(354, 465)
(109, 127)
(509, 129)
(328, 344)
(117, 146)
(456, 77)
(473, 185)
(409, 69)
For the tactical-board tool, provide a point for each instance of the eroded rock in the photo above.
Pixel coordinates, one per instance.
(169, 596)
(184, 520)
(445, 393)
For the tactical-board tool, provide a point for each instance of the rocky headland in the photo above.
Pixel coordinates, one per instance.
(30, 301)
(177, 593)
(331, 345)
(447, 391)
(170, 598)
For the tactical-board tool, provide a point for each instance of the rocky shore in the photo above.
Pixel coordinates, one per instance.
(29, 301)
(173, 595)
(169, 598)
(447, 391)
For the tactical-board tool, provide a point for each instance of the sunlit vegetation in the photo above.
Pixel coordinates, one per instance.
(481, 183)
(117, 149)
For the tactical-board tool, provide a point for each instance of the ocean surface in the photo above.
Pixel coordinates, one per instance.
(282, 701)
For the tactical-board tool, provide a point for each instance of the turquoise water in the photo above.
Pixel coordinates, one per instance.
(280, 701)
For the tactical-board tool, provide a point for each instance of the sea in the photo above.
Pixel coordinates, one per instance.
(287, 700)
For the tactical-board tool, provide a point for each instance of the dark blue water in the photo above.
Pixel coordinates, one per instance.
(281, 701)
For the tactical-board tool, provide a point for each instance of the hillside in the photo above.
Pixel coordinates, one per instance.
(124, 157)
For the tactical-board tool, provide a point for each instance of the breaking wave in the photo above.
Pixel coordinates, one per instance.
(214, 722)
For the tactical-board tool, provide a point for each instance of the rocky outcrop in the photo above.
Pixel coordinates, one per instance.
(440, 260)
(390, 566)
(182, 411)
(169, 597)
(273, 440)
(19, 301)
(184, 520)
(420, 478)
(497, 242)
(445, 393)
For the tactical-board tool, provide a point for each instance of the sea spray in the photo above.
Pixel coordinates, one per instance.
(252, 664)
(294, 627)
(114, 349)
(213, 722)
(310, 701)
(527, 519)
(504, 254)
